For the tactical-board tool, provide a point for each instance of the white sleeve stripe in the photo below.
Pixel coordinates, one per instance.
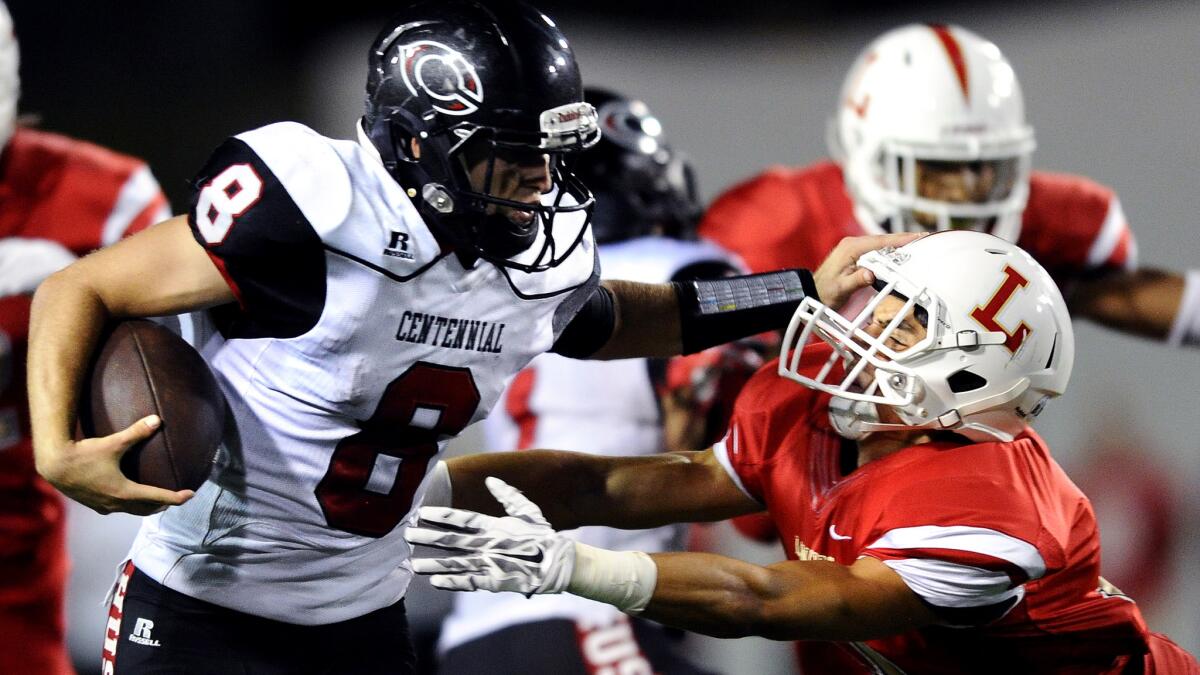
(1186, 327)
(978, 540)
(139, 190)
(1109, 236)
(946, 584)
(722, 453)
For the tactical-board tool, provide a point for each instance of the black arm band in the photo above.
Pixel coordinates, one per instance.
(590, 328)
(717, 311)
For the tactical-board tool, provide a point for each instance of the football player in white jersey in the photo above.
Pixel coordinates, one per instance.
(644, 222)
(370, 299)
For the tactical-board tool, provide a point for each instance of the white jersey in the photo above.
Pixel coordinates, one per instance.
(604, 408)
(356, 349)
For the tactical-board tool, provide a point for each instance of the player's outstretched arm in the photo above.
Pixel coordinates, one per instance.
(790, 600)
(712, 594)
(1148, 302)
(579, 489)
(659, 320)
(156, 272)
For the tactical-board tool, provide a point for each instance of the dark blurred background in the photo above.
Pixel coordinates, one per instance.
(168, 80)
(1112, 88)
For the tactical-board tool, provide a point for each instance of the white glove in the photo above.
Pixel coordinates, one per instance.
(25, 263)
(520, 552)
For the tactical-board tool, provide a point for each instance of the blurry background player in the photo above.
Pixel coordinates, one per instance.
(59, 198)
(929, 529)
(644, 221)
(930, 134)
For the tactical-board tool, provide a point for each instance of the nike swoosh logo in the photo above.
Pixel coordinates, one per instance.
(833, 533)
(535, 559)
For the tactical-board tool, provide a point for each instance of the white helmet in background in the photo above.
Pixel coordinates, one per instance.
(933, 98)
(10, 81)
(998, 341)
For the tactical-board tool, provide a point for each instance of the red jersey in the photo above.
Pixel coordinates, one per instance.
(81, 196)
(993, 536)
(787, 217)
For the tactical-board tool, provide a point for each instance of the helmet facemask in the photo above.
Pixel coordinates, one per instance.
(468, 212)
(989, 187)
(918, 377)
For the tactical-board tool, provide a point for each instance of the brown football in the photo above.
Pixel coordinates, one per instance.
(142, 368)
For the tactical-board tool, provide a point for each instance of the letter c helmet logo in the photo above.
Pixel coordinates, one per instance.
(442, 74)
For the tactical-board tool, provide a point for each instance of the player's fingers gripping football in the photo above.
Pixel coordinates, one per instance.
(96, 480)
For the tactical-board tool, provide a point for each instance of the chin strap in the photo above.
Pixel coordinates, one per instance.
(855, 419)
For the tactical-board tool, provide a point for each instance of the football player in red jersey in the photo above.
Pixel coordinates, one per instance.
(927, 527)
(930, 134)
(62, 198)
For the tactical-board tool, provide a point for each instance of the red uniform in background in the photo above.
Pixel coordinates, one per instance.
(993, 536)
(81, 196)
(787, 217)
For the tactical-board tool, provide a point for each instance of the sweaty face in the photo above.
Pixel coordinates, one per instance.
(977, 182)
(519, 176)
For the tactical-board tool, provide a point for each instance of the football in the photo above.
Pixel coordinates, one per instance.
(140, 369)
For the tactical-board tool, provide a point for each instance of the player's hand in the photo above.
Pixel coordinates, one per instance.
(839, 277)
(89, 471)
(520, 552)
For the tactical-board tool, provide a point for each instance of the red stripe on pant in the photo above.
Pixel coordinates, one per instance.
(112, 632)
(518, 407)
(612, 648)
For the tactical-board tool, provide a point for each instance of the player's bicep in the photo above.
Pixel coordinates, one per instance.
(824, 600)
(161, 270)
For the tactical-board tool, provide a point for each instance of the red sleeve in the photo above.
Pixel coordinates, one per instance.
(753, 219)
(745, 448)
(1075, 227)
(86, 196)
(965, 540)
(766, 418)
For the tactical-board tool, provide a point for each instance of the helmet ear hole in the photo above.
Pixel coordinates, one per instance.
(964, 381)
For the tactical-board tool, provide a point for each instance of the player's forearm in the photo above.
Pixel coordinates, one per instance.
(65, 322)
(647, 321)
(1142, 303)
(576, 489)
(728, 598)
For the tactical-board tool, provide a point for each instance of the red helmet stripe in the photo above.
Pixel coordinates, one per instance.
(955, 53)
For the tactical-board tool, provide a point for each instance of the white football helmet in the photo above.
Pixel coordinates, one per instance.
(998, 341)
(926, 97)
(10, 81)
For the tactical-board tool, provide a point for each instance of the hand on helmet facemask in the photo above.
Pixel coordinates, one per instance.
(520, 552)
(839, 277)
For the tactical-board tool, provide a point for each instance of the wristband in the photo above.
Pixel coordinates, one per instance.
(1185, 330)
(713, 312)
(623, 579)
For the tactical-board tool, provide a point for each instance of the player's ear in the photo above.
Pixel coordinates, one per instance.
(414, 148)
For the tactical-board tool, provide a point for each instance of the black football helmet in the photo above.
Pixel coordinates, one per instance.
(642, 186)
(472, 82)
